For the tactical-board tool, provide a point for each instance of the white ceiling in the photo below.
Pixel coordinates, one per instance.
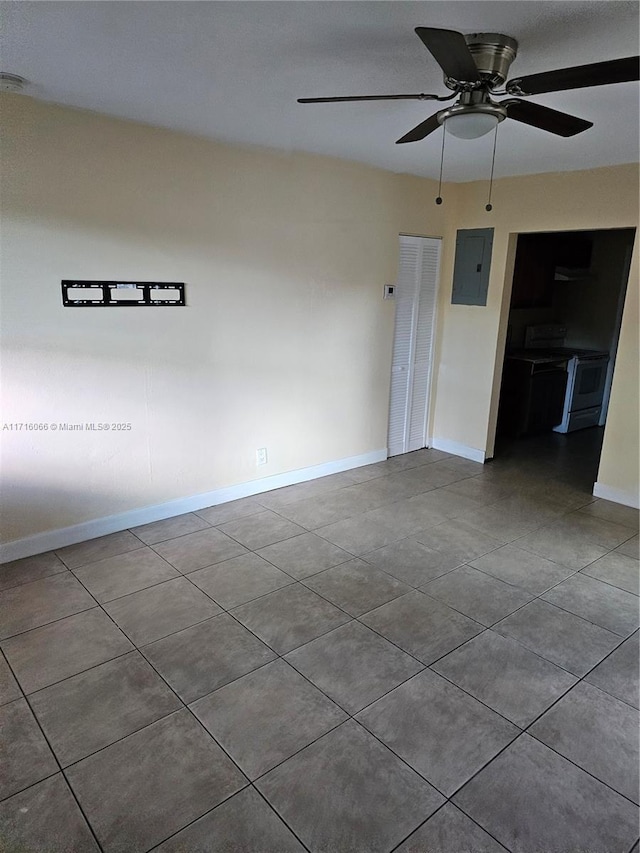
(232, 71)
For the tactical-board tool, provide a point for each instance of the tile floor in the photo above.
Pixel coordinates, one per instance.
(425, 655)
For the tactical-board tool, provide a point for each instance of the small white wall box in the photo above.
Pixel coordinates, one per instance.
(116, 294)
(389, 291)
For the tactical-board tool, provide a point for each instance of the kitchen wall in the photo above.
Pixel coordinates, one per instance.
(285, 342)
(471, 347)
(589, 308)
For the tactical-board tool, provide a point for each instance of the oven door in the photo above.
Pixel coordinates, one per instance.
(588, 386)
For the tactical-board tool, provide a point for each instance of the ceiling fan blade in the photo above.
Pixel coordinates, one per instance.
(578, 77)
(420, 97)
(450, 51)
(421, 130)
(562, 124)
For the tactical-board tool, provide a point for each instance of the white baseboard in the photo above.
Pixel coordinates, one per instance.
(458, 449)
(618, 496)
(52, 539)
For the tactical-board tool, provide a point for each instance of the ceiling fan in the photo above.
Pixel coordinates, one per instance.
(476, 65)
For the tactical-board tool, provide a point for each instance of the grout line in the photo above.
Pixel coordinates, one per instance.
(447, 803)
(60, 768)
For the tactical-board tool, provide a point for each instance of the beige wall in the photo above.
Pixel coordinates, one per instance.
(472, 343)
(285, 342)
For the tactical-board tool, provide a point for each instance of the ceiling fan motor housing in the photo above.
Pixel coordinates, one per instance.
(493, 54)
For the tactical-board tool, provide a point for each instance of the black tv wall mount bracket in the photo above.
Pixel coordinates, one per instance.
(121, 294)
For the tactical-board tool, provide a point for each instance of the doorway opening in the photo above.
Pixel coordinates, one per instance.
(411, 363)
(563, 327)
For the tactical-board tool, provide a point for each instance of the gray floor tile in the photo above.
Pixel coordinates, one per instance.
(568, 547)
(410, 515)
(200, 549)
(356, 586)
(559, 636)
(43, 818)
(140, 790)
(630, 548)
(616, 569)
(458, 537)
(532, 799)
(450, 831)
(508, 520)
(239, 580)
(98, 549)
(30, 569)
(600, 603)
(124, 574)
(445, 501)
(467, 467)
(521, 568)
(505, 676)
(596, 732)
(169, 528)
(153, 613)
(593, 529)
(347, 792)
(610, 511)
(353, 665)
(261, 529)
(412, 562)
(565, 495)
(9, 690)
(278, 499)
(304, 555)
(422, 626)
(324, 509)
(72, 660)
(476, 594)
(26, 758)
(360, 534)
(45, 655)
(289, 617)
(40, 602)
(243, 824)
(266, 716)
(439, 730)
(231, 510)
(618, 674)
(395, 487)
(481, 489)
(202, 658)
(433, 476)
(89, 711)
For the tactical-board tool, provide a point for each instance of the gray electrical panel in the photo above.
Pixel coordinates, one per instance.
(472, 266)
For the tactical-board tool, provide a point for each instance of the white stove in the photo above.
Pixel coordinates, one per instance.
(586, 376)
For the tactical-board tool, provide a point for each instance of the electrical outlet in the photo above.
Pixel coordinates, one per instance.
(261, 456)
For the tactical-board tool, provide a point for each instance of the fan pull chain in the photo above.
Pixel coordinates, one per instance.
(488, 205)
(439, 198)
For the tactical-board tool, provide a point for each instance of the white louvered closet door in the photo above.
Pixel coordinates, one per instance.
(416, 289)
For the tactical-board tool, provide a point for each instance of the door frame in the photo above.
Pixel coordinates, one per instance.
(505, 307)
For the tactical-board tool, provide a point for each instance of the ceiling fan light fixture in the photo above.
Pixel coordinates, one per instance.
(471, 121)
(471, 125)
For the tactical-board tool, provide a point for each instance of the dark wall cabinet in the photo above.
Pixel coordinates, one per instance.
(537, 257)
(533, 272)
